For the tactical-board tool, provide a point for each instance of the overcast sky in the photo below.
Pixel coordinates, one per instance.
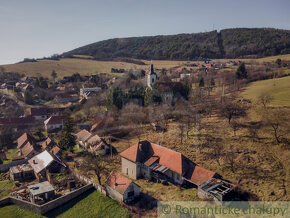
(38, 28)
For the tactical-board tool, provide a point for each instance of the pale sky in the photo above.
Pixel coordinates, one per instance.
(38, 28)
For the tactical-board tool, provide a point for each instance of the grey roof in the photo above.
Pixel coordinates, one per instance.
(40, 188)
(21, 168)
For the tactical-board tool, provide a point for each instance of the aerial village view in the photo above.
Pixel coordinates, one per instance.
(123, 109)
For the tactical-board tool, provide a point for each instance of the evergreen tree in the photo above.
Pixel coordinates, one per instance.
(67, 141)
(241, 72)
(201, 82)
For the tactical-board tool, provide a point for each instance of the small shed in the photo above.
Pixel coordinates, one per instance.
(121, 188)
(21, 172)
(41, 192)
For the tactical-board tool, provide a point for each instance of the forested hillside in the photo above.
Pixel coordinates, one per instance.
(228, 43)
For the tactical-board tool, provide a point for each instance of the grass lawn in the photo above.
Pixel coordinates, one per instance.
(15, 211)
(11, 153)
(4, 187)
(279, 88)
(77, 149)
(89, 204)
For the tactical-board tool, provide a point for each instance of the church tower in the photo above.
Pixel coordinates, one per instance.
(151, 77)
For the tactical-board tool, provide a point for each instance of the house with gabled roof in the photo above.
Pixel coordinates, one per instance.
(28, 150)
(92, 142)
(44, 113)
(121, 188)
(54, 123)
(154, 162)
(45, 161)
(25, 138)
(48, 144)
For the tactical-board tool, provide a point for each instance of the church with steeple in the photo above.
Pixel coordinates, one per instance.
(151, 77)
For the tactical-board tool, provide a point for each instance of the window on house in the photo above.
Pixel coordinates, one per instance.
(152, 80)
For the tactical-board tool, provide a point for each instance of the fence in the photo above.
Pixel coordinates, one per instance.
(5, 167)
(42, 209)
(87, 181)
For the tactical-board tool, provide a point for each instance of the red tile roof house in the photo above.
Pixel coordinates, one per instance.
(44, 113)
(92, 142)
(121, 188)
(54, 123)
(48, 144)
(154, 162)
(26, 145)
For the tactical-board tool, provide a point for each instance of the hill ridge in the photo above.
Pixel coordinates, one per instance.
(227, 43)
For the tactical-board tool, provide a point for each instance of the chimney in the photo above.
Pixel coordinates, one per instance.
(34, 162)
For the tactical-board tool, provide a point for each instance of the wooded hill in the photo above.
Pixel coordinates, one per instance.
(228, 43)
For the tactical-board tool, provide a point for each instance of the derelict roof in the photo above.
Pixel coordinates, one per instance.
(42, 160)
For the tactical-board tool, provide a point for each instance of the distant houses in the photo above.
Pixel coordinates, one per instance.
(17, 123)
(89, 92)
(44, 113)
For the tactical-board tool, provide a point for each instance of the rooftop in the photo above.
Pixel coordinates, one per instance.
(40, 188)
(118, 182)
(156, 156)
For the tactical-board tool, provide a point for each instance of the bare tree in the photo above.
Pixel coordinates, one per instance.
(230, 158)
(265, 98)
(94, 163)
(278, 120)
(181, 128)
(231, 110)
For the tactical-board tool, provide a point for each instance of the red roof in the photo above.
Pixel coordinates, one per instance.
(22, 140)
(83, 135)
(48, 142)
(149, 153)
(55, 150)
(200, 175)
(118, 182)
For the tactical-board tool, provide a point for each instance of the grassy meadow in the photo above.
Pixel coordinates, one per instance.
(279, 88)
(68, 66)
(89, 204)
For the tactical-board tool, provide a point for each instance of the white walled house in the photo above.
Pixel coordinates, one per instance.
(54, 123)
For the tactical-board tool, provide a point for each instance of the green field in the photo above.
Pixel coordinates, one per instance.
(279, 88)
(68, 66)
(5, 186)
(89, 204)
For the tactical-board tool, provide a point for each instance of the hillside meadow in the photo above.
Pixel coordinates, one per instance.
(68, 66)
(278, 88)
